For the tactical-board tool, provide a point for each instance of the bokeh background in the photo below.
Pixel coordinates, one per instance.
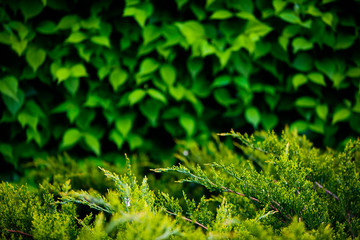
(98, 79)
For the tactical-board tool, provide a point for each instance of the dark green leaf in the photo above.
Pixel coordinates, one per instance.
(12, 105)
(151, 109)
(9, 87)
(30, 8)
(35, 57)
(117, 78)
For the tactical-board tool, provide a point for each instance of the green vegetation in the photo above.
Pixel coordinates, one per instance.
(83, 82)
(277, 188)
(98, 77)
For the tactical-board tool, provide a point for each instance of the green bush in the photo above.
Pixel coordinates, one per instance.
(101, 76)
(277, 188)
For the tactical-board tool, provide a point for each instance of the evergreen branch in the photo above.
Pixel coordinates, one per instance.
(187, 219)
(20, 232)
(243, 140)
(326, 191)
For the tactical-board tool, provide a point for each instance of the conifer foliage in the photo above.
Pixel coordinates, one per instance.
(276, 187)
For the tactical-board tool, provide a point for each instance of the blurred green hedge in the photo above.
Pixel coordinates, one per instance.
(101, 76)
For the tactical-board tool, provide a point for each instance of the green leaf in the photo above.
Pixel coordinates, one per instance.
(246, 5)
(76, 37)
(135, 141)
(33, 134)
(72, 85)
(7, 38)
(328, 18)
(68, 22)
(168, 74)
(290, 17)
(269, 121)
(117, 138)
(101, 40)
(188, 124)
(353, 72)
(344, 41)
(341, 114)
(322, 111)
(298, 80)
(221, 81)
(301, 43)
(124, 124)
(93, 143)
(141, 12)
(117, 78)
(317, 78)
(26, 119)
(12, 105)
(151, 109)
(151, 33)
(306, 102)
(177, 91)
(192, 30)
(303, 62)
(30, 8)
(147, 66)
(35, 57)
(221, 14)
(9, 87)
(279, 5)
(256, 29)
(252, 115)
(19, 46)
(157, 95)
(78, 70)
(300, 126)
(136, 96)
(71, 136)
(318, 126)
(62, 74)
(223, 97)
(6, 150)
(194, 66)
(46, 27)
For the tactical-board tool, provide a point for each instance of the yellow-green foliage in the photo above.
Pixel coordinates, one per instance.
(25, 214)
(274, 188)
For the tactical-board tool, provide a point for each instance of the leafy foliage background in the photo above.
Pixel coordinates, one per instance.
(101, 76)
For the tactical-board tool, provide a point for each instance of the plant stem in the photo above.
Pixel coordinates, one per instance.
(20, 232)
(187, 219)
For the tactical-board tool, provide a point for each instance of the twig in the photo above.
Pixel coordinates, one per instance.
(327, 191)
(257, 200)
(20, 232)
(187, 219)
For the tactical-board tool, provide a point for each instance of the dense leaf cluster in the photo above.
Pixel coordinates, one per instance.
(98, 76)
(277, 188)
